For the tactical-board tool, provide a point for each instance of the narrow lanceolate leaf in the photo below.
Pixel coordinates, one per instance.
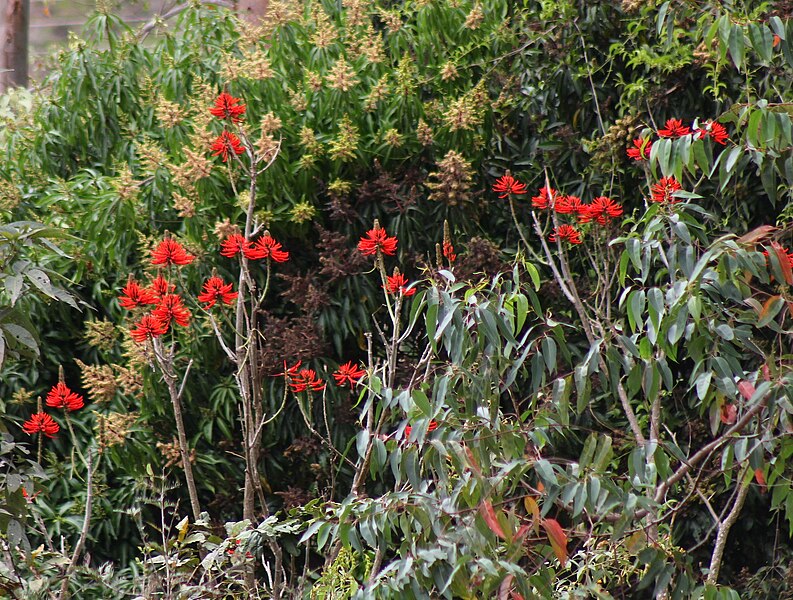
(489, 515)
(784, 262)
(746, 389)
(558, 539)
(756, 235)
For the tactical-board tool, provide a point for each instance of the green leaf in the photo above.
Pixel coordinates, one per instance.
(737, 46)
(545, 471)
(421, 400)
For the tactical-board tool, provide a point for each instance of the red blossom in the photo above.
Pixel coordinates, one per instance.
(641, 149)
(160, 287)
(266, 247)
(569, 205)
(305, 379)
(215, 289)
(233, 245)
(133, 295)
(663, 190)
(348, 373)
(225, 144)
(545, 199)
(448, 251)
(715, 131)
(228, 107)
(148, 326)
(60, 396)
(431, 427)
(171, 308)
(396, 284)
(566, 232)
(377, 240)
(602, 210)
(41, 422)
(171, 252)
(673, 129)
(507, 184)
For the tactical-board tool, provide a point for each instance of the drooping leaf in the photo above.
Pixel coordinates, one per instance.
(558, 539)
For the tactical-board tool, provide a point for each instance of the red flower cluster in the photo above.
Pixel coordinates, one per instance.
(663, 190)
(566, 232)
(170, 252)
(715, 131)
(507, 184)
(601, 210)
(377, 240)
(265, 247)
(569, 205)
(641, 149)
(60, 396)
(226, 144)
(431, 427)
(304, 379)
(545, 199)
(228, 107)
(171, 308)
(674, 129)
(133, 295)
(41, 422)
(149, 326)
(348, 373)
(397, 284)
(160, 287)
(216, 290)
(448, 251)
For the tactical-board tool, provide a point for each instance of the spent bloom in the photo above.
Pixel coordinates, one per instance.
(641, 149)
(266, 247)
(305, 379)
(348, 373)
(148, 326)
(133, 295)
(375, 240)
(396, 284)
(663, 190)
(171, 252)
(225, 144)
(566, 232)
(41, 422)
(507, 184)
(228, 107)
(673, 129)
(602, 210)
(215, 289)
(60, 396)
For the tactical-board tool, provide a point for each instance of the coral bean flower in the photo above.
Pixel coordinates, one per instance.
(545, 199)
(171, 252)
(348, 373)
(673, 129)
(148, 326)
(228, 107)
(60, 396)
(216, 290)
(41, 423)
(306, 379)
(171, 308)
(566, 232)
(225, 144)
(159, 287)
(641, 149)
(266, 247)
(569, 205)
(715, 131)
(448, 252)
(663, 190)
(507, 184)
(133, 295)
(377, 240)
(233, 245)
(396, 284)
(602, 210)
(431, 427)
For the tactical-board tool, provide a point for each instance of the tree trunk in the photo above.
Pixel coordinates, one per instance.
(252, 10)
(14, 40)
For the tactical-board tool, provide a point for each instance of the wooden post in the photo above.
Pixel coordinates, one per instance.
(252, 10)
(14, 19)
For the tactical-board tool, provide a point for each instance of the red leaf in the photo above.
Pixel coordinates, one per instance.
(558, 539)
(746, 389)
(755, 235)
(729, 414)
(489, 515)
(784, 262)
(760, 478)
(766, 373)
(505, 587)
